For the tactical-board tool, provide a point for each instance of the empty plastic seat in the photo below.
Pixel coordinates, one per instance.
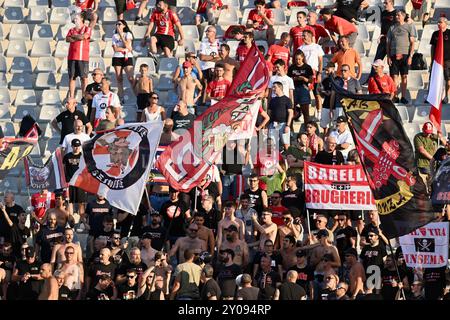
(8, 129)
(3, 67)
(34, 3)
(128, 114)
(184, 3)
(279, 17)
(50, 97)
(140, 50)
(148, 61)
(23, 111)
(263, 43)
(191, 32)
(5, 114)
(2, 35)
(445, 115)
(129, 97)
(228, 16)
(5, 99)
(41, 49)
(411, 130)
(188, 46)
(421, 114)
(60, 16)
(167, 65)
(415, 81)
(232, 3)
(46, 64)
(421, 97)
(359, 47)
(13, 15)
(109, 51)
(165, 82)
(324, 3)
(62, 31)
(49, 112)
(61, 3)
(45, 80)
(363, 34)
(280, 30)
(10, 184)
(108, 15)
(109, 31)
(21, 81)
(42, 31)
(139, 32)
(403, 111)
(106, 3)
(94, 49)
(96, 62)
(245, 15)
(186, 15)
(38, 14)
(14, 3)
(62, 49)
(25, 97)
(19, 32)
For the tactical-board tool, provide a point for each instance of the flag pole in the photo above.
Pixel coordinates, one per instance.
(396, 268)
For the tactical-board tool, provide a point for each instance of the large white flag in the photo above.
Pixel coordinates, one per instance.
(117, 163)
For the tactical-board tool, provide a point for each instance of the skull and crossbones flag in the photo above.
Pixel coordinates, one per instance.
(116, 163)
(388, 158)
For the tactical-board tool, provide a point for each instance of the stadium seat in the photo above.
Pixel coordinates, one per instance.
(21, 81)
(139, 32)
(19, 32)
(141, 51)
(96, 33)
(13, 15)
(109, 51)
(94, 49)
(424, 47)
(45, 80)
(279, 16)
(130, 15)
(149, 61)
(2, 35)
(23, 111)
(188, 46)
(165, 82)
(61, 3)
(96, 62)
(445, 115)
(46, 64)
(106, 3)
(10, 184)
(232, 3)
(50, 97)
(109, 31)
(233, 46)
(411, 130)
(428, 31)
(167, 65)
(60, 16)
(42, 32)
(184, 3)
(359, 47)
(191, 32)
(38, 14)
(403, 111)
(5, 113)
(108, 15)
(421, 114)
(49, 112)
(3, 80)
(293, 16)
(35, 3)
(14, 3)
(8, 129)
(41, 49)
(421, 97)
(25, 97)
(62, 31)
(263, 43)
(415, 81)
(5, 99)
(186, 15)
(363, 34)
(324, 3)
(129, 97)
(3, 66)
(228, 16)
(62, 49)
(129, 113)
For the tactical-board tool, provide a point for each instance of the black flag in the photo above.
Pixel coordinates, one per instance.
(441, 185)
(388, 158)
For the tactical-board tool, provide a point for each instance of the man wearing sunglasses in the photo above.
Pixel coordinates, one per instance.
(190, 242)
(345, 235)
(374, 253)
(129, 289)
(92, 89)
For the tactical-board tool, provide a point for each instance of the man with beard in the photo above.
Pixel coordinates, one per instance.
(374, 252)
(156, 231)
(190, 242)
(135, 262)
(27, 276)
(239, 247)
(205, 233)
(227, 273)
(47, 237)
(102, 268)
(267, 280)
(174, 213)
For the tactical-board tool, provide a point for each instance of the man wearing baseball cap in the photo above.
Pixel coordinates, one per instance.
(187, 85)
(425, 145)
(381, 83)
(343, 137)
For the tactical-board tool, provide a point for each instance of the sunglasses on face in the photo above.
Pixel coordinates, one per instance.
(156, 98)
(345, 70)
(130, 276)
(69, 252)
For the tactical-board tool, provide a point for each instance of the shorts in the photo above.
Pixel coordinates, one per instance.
(121, 62)
(325, 118)
(77, 195)
(447, 70)
(77, 68)
(399, 66)
(208, 74)
(302, 95)
(165, 41)
(88, 14)
(142, 100)
(121, 6)
(316, 90)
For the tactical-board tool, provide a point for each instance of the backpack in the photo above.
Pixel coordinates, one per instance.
(418, 62)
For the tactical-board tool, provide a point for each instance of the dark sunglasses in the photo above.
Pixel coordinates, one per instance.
(69, 252)
(130, 276)
(155, 97)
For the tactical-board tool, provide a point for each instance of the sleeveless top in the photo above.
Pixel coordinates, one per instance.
(313, 144)
(153, 116)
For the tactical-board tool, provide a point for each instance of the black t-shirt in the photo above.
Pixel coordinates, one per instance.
(211, 190)
(182, 122)
(278, 108)
(255, 200)
(29, 290)
(434, 282)
(210, 289)
(126, 265)
(305, 275)
(277, 260)
(327, 86)
(348, 9)
(343, 237)
(168, 213)
(64, 293)
(226, 277)
(294, 199)
(126, 292)
(212, 219)
(7, 261)
(97, 294)
(373, 256)
(66, 118)
(267, 284)
(291, 291)
(324, 157)
(325, 293)
(13, 212)
(136, 220)
(99, 269)
(92, 88)
(71, 163)
(250, 293)
(387, 277)
(157, 234)
(96, 212)
(387, 21)
(18, 237)
(433, 42)
(304, 70)
(46, 239)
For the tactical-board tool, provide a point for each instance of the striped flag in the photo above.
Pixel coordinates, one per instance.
(437, 85)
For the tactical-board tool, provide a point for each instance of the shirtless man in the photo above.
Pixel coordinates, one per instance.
(147, 252)
(230, 65)
(289, 228)
(229, 219)
(325, 247)
(143, 87)
(205, 233)
(187, 85)
(62, 214)
(58, 256)
(191, 242)
(74, 273)
(357, 275)
(268, 229)
(239, 247)
(288, 252)
(50, 289)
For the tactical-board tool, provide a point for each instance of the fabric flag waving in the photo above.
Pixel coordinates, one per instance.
(116, 163)
(436, 92)
(12, 150)
(50, 176)
(441, 185)
(387, 156)
(186, 161)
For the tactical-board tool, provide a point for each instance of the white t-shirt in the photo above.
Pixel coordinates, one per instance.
(117, 41)
(207, 48)
(288, 84)
(344, 137)
(312, 53)
(67, 142)
(102, 101)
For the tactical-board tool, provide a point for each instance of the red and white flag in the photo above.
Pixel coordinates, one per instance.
(117, 163)
(49, 176)
(437, 85)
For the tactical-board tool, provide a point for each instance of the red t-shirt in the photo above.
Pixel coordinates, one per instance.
(346, 27)
(203, 4)
(297, 4)
(241, 52)
(297, 35)
(165, 22)
(386, 83)
(255, 17)
(218, 88)
(279, 52)
(277, 214)
(267, 164)
(228, 35)
(319, 31)
(42, 202)
(85, 4)
(79, 50)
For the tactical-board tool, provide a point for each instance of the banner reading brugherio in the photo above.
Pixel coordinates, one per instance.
(186, 161)
(116, 163)
(441, 184)
(337, 187)
(388, 159)
(427, 246)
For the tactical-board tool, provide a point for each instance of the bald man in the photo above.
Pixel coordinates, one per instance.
(78, 133)
(290, 290)
(330, 155)
(50, 290)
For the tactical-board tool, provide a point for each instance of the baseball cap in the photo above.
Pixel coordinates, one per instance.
(341, 119)
(76, 143)
(29, 252)
(322, 233)
(187, 64)
(330, 65)
(232, 228)
(378, 63)
(154, 213)
(351, 251)
(427, 128)
(300, 253)
(326, 11)
(147, 235)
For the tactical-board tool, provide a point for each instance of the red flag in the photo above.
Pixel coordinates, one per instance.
(437, 87)
(186, 161)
